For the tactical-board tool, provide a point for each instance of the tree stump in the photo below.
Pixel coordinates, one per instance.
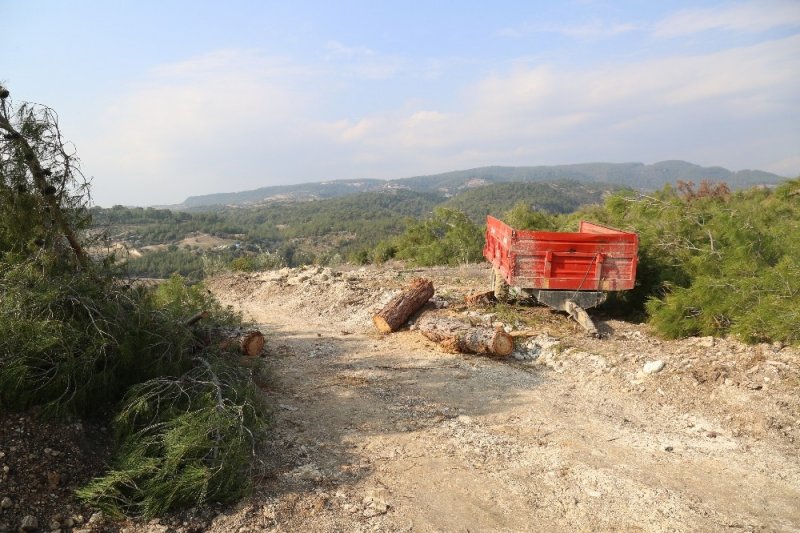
(456, 336)
(402, 306)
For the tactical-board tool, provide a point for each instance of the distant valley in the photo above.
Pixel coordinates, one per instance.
(359, 221)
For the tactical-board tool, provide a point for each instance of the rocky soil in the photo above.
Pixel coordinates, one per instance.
(388, 433)
(627, 432)
(42, 462)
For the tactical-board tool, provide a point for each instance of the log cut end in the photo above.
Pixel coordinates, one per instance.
(251, 343)
(502, 343)
(381, 324)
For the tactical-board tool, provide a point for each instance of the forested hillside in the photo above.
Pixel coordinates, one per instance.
(636, 176)
(328, 231)
(564, 196)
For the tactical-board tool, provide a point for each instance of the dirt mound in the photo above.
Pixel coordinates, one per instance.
(321, 295)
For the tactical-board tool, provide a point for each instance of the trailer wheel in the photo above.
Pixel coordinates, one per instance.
(499, 286)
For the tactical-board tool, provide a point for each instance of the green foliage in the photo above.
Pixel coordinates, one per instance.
(446, 238)
(383, 252)
(42, 190)
(74, 337)
(180, 298)
(558, 196)
(714, 263)
(243, 264)
(274, 235)
(521, 216)
(71, 344)
(74, 345)
(185, 441)
(164, 263)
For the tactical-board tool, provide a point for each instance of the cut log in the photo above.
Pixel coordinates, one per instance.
(456, 336)
(479, 298)
(401, 307)
(249, 343)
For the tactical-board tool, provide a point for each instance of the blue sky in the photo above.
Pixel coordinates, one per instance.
(175, 98)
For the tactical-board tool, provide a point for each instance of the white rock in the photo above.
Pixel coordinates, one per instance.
(706, 342)
(308, 472)
(6, 503)
(652, 367)
(374, 506)
(29, 523)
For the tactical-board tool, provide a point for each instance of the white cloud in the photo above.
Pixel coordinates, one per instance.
(191, 124)
(361, 62)
(237, 120)
(590, 30)
(335, 48)
(715, 109)
(751, 17)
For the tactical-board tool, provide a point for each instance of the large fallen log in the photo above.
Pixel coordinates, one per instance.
(401, 307)
(456, 336)
(250, 343)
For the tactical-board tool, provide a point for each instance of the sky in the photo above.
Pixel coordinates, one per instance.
(168, 99)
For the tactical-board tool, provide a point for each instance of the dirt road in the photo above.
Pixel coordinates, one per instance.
(387, 433)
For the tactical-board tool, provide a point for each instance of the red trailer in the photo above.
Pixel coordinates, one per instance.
(566, 271)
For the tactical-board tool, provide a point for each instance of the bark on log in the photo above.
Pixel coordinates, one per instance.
(250, 343)
(456, 336)
(479, 298)
(402, 306)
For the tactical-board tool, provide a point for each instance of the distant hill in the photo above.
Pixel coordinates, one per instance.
(277, 193)
(634, 175)
(563, 196)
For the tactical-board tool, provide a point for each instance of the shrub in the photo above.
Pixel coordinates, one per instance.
(522, 216)
(184, 441)
(75, 337)
(243, 264)
(447, 238)
(715, 263)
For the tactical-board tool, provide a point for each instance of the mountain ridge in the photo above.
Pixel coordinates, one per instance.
(635, 175)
